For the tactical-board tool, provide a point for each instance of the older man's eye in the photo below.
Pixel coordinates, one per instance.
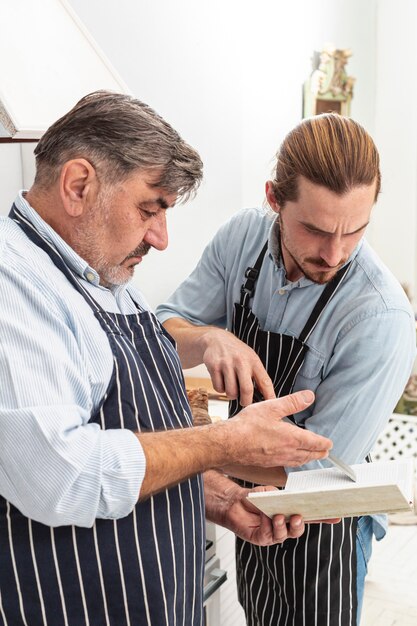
(147, 215)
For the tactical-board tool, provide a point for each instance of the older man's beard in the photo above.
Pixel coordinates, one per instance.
(89, 245)
(114, 275)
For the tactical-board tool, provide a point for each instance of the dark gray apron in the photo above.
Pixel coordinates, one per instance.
(143, 569)
(309, 581)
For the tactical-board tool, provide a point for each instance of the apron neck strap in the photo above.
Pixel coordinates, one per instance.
(248, 288)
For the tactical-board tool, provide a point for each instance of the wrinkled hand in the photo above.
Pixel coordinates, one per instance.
(248, 523)
(227, 505)
(258, 437)
(234, 367)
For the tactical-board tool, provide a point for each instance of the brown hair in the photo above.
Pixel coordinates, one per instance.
(329, 150)
(118, 134)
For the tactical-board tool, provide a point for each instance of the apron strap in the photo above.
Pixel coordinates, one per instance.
(248, 288)
(327, 294)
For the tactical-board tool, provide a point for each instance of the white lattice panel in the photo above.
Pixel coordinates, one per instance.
(398, 440)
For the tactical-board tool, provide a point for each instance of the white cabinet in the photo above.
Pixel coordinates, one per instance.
(231, 613)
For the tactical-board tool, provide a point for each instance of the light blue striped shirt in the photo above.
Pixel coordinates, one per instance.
(55, 368)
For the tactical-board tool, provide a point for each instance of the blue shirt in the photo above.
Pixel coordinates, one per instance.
(361, 351)
(55, 367)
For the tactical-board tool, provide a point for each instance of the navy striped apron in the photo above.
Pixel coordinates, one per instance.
(309, 581)
(143, 569)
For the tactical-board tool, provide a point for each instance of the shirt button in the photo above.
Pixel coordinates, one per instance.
(90, 277)
(281, 292)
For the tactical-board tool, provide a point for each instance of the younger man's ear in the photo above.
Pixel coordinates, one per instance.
(270, 196)
(77, 185)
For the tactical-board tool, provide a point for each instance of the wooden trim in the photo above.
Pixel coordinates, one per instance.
(12, 140)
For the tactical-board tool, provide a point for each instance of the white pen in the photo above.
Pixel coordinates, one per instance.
(346, 469)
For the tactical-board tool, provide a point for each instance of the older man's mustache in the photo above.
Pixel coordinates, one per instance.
(142, 249)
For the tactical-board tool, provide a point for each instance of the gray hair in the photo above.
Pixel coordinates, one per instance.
(118, 134)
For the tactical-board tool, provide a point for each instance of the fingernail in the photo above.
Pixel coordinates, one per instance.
(307, 396)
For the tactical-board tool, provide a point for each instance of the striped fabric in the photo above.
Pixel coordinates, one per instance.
(310, 581)
(146, 568)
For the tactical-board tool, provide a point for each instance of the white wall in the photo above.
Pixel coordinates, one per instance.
(394, 231)
(10, 175)
(228, 75)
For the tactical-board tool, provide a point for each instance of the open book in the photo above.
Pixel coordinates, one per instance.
(381, 487)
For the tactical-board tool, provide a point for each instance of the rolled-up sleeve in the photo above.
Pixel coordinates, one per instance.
(55, 466)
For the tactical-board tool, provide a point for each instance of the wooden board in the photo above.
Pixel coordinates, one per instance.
(347, 502)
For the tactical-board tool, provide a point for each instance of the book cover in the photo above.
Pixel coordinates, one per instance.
(381, 487)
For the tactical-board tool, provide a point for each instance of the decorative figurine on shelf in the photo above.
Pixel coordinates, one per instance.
(329, 87)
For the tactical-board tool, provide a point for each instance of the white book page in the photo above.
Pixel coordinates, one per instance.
(367, 474)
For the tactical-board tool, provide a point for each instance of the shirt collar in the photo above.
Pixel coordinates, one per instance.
(70, 257)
